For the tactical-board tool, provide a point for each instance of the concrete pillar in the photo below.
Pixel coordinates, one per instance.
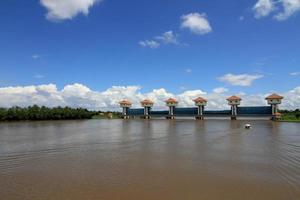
(146, 112)
(201, 110)
(274, 111)
(233, 112)
(125, 113)
(171, 112)
(200, 113)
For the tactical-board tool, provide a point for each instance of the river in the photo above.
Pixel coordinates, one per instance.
(150, 159)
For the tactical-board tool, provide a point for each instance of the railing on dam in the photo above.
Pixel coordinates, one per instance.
(193, 111)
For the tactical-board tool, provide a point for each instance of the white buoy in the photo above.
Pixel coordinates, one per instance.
(247, 126)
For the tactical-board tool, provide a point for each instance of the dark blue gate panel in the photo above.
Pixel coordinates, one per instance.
(135, 112)
(186, 111)
(193, 111)
(217, 112)
(257, 110)
(159, 113)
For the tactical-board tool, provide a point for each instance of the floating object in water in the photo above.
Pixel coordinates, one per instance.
(247, 126)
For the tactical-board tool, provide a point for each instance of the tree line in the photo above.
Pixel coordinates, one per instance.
(291, 114)
(44, 113)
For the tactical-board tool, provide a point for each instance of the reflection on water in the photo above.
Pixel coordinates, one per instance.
(149, 159)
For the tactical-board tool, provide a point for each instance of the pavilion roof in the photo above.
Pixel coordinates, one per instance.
(171, 100)
(274, 96)
(234, 98)
(146, 101)
(125, 101)
(200, 100)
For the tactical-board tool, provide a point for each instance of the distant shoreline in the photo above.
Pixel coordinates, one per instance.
(37, 113)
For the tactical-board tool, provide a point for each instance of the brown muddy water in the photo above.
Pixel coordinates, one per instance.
(155, 159)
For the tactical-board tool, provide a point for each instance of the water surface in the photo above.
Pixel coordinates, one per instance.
(154, 159)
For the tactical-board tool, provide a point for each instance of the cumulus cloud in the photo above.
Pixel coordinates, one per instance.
(220, 90)
(239, 79)
(149, 43)
(290, 7)
(282, 9)
(263, 8)
(197, 23)
(166, 38)
(78, 95)
(66, 9)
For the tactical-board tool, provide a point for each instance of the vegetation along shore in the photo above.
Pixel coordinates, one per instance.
(290, 116)
(43, 113)
(66, 113)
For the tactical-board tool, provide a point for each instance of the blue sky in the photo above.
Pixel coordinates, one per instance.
(246, 46)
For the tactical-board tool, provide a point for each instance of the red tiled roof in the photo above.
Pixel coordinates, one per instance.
(200, 100)
(125, 101)
(233, 98)
(147, 101)
(171, 100)
(274, 96)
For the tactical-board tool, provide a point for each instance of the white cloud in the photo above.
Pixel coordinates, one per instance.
(66, 9)
(289, 8)
(239, 79)
(283, 9)
(220, 90)
(78, 95)
(149, 43)
(168, 38)
(196, 23)
(263, 8)
(295, 73)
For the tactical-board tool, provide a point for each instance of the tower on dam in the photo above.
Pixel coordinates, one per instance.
(147, 105)
(171, 103)
(125, 105)
(200, 103)
(274, 100)
(234, 102)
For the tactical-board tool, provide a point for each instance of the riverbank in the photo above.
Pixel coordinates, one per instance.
(107, 115)
(290, 120)
(290, 116)
(37, 113)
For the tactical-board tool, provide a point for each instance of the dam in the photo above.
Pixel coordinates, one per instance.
(199, 112)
